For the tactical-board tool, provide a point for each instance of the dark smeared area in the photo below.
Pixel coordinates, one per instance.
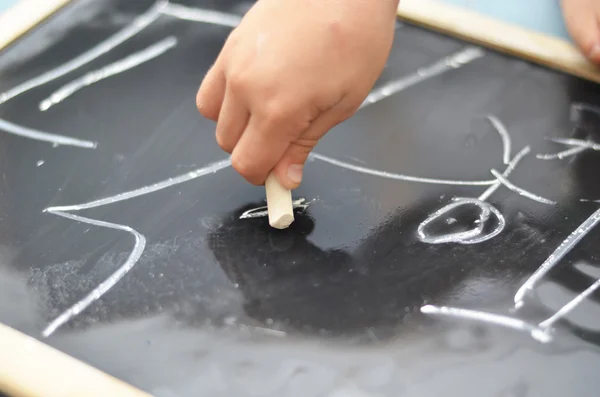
(222, 306)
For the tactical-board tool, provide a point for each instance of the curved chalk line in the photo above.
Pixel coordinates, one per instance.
(106, 285)
(140, 240)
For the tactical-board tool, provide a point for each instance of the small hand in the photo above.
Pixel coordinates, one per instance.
(582, 18)
(291, 71)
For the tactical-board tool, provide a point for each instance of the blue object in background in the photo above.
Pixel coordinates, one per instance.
(4, 4)
(541, 15)
(544, 16)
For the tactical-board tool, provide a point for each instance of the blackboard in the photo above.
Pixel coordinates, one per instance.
(365, 294)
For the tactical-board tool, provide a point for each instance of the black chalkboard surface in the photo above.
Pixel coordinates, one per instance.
(444, 242)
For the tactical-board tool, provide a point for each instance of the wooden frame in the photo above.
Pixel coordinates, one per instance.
(474, 27)
(30, 368)
(23, 16)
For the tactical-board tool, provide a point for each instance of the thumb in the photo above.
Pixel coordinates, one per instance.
(581, 18)
(289, 169)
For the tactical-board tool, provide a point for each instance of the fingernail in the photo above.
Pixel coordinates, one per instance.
(595, 52)
(295, 173)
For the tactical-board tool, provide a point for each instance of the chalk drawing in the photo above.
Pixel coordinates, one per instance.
(106, 285)
(107, 71)
(563, 249)
(43, 136)
(519, 190)
(201, 15)
(451, 62)
(140, 23)
(140, 240)
(536, 332)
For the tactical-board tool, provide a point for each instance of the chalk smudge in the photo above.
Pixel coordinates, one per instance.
(140, 240)
(106, 285)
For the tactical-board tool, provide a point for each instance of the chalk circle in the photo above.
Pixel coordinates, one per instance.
(472, 236)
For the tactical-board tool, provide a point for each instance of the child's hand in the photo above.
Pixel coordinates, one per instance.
(582, 18)
(291, 71)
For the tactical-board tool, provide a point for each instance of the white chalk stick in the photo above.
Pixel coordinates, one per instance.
(279, 203)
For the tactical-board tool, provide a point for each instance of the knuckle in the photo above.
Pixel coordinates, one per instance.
(306, 145)
(284, 113)
(245, 170)
(206, 107)
(224, 143)
(238, 82)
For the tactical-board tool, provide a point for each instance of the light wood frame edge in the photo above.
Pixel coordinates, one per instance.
(25, 15)
(471, 26)
(28, 367)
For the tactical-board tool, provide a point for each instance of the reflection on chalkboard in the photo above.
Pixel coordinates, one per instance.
(446, 225)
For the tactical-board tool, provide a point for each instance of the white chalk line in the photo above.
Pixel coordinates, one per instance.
(43, 136)
(563, 249)
(112, 69)
(579, 146)
(519, 190)
(577, 107)
(474, 236)
(201, 15)
(400, 177)
(140, 244)
(503, 132)
(458, 236)
(208, 169)
(537, 333)
(140, 23)
(451, 62)
(562, 155)
(566, 309)
(106, 285)
(509, 169)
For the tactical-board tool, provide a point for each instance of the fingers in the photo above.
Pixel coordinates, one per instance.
(289, 168)
(212, 91)
(260, 147)
(581, 18)
(233, 119)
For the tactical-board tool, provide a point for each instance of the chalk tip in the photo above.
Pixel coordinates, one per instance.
(283, 222)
